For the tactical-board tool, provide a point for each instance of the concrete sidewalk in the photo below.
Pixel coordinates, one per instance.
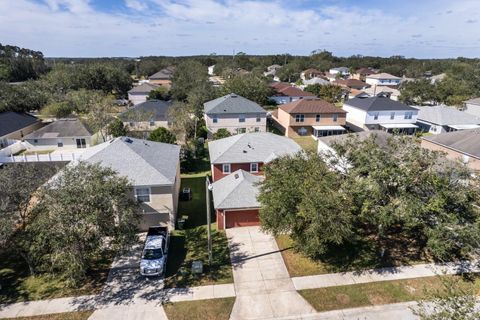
(384, 274)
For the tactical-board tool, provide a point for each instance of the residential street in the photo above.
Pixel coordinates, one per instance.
(263, 286)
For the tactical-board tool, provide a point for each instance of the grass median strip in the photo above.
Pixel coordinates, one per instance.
(77, 315)
(377, 293)
(213, 309)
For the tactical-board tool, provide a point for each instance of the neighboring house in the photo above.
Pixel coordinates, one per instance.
(147, 116)
(330, 76)
(289, 93)
(162, 77)
(235, 200)
(310, 73)
(211, 70)
(380, 113)
(234, 113)
(354, 93)
(153, 169)
(342, 71)
(272, 71)
(62, 133)
(362, 74)
(460, 145)
(383, 79)
(351, 84)
(310, 117)
(14, 126)
(249, 152)
(385, 91)
(140, 93)
(472, 107)
(441, 119)
(315, 80)
(325, 144)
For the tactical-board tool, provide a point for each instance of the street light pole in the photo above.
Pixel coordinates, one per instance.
(209, 188)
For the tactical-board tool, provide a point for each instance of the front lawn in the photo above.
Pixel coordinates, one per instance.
(376, 293)
(214, 309)
(356, 257)
(18, 285)
(78, 315)
(190, 244)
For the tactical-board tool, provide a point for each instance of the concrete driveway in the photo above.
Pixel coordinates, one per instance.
(263, 286)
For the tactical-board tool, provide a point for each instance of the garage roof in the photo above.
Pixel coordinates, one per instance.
(236, 191)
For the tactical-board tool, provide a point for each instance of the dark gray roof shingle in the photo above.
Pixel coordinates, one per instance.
(13, 121)
(378, 103)
(232, 104)
(61, 128)
(149, 110)
(144, 88)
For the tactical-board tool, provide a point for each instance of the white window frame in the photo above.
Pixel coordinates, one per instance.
(215, 119)
(256, 129)
(375, 115)
(143, 188)
(408, 115)
(392, 115)
(241, 118)
(251, 167)
(259, 119)
(226, 165)
(335, 117)
(318, 118)
(299, 118)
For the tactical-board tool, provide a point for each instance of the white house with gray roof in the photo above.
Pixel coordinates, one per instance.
(472, 107)
(380, 113)
(140, 93)
(153, 168)
(234, 113)
(441, 119)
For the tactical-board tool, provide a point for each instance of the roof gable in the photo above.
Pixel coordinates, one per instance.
(61, 128)
(232, 104)
(378, 103)
(237, 190)
(144, 88)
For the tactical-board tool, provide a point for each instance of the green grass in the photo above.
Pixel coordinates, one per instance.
(191, 243)
(376, 293)
(214, 309)
(307, 143)
(18, 285)
(78, 315)
(355, 257)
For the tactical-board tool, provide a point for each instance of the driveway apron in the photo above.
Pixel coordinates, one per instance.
(263, 286)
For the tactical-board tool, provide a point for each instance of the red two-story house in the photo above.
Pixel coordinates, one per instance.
(243, 155)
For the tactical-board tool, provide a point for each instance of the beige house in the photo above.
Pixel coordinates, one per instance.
(234, 113)
(68, 133)
(458, 145)
(310, 117)
(14, 126)
(147, 116)
(162, 77)
(153, 168)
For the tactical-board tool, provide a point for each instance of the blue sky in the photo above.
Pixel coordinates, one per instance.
(93, 28)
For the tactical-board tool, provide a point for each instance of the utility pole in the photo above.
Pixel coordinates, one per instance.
(208, 189)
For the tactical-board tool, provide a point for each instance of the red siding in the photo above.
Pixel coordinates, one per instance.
(220, 225)
(241, 218)
(217, 173)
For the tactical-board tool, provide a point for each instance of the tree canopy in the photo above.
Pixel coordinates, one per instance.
(162, 134)
(250, 86)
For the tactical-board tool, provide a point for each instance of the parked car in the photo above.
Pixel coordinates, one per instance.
(154, 254)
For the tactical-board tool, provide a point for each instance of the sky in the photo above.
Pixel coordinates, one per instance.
(134, 28)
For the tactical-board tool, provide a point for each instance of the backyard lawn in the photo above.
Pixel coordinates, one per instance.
(190, 244)
(214, 309)
(78, 315)
(307, 143)
(376, 293)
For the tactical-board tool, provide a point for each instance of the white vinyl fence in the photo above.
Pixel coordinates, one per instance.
(51, 157)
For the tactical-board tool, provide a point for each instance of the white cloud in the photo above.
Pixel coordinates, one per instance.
(74, 28)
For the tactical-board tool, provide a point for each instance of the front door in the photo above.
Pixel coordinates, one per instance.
(81, 143)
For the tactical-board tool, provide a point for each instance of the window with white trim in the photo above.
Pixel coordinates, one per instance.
(335, 117)
(215, 119)
(375, 116)
(241, 118)
(299, 118)
(257, 129)
(226, 168)
(254, 167)
(142, 194)
(317, 118)
(392, 115)
(408, 115)
(259, 118)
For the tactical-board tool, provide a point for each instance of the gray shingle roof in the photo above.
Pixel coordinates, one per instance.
(151, 109)
(237, 190)
(465, 141)
(233, 104)
(164, 74)
(62, 128)
(144, 88)
(144, 163)
(251, 147)
(13, 121)
(442, 115)
(381, 137)
(378, 103)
